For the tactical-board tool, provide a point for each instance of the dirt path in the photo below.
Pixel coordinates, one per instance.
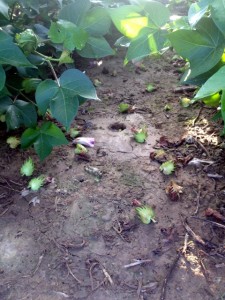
(76, 242)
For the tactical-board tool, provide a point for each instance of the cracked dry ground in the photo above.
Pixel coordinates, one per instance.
(76, 242)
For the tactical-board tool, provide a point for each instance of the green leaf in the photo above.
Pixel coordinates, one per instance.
(218, 14)
(197, 11)
(202, 47)
(96, 47)
(69, 34)
(127, 20)
(214, 84)
(2, 77)
(18, 113)
(77, 83)
(4, 8)
(46, 91)
(96, 22)
(75, 12)
(149, 41)
(157, 13)
(64, 107)
(11, 54)
(5, 102)
(43, 138)
(63, 100)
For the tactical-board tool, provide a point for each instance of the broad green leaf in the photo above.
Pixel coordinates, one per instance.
(197, 11)
(64, 107)
(127, 20)
(202, 47)
(149, 41)
(69, 34)
(157, 13)
(43, 138)
(11, 54)
(218, 14)
(2, 77)
(96, 47)
(4, 8)
(19, 113)
(75, 12)
(63, 100)
(213, 85)
(96, 22)
(78, 83)
(5, 102)
(45, 92)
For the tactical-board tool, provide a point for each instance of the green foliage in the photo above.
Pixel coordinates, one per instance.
(143, 25)
(43, 138)
(40, 37)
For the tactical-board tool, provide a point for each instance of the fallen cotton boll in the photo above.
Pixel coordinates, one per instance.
(85, 141)
(80, 149)
(27, 168)
(167, 167)
(146, 214)
(36, 183)
(173, 190)
(13, 142)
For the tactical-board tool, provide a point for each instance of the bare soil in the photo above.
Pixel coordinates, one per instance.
(77, 242)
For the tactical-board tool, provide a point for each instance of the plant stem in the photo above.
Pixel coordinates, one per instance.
(21, 93)
(53, 72)
(47, 58)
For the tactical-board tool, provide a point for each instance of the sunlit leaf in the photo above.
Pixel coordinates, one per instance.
(197, 11)
(149, 41)
(128, 20)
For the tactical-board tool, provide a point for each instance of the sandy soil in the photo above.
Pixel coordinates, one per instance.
(77, 242)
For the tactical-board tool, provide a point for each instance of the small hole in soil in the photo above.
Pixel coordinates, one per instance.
(117, 126)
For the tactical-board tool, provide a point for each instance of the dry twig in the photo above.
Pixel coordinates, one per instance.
(196, 119)
(166, 279)
(71, 273)
(137, 262)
